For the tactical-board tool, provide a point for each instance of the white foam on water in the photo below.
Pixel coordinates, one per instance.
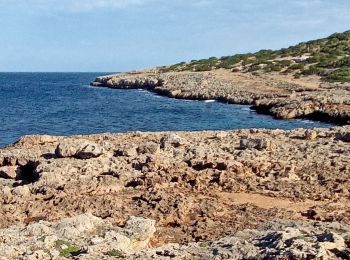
(306, 121)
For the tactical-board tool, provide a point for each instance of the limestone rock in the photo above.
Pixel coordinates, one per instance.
(299, 244)
(81, 149)
(254, 143)
(200, 187)
(49, 240)
(89, 237)
(148, 148)
(172, 140)
(9, 172)
(21, 191)
(310, 134)
(37, 139)
(126, 150)
(293, 240)
(273, 94)
(343, 136)
(140, 229)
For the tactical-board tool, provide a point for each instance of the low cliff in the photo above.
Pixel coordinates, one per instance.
(279, 96)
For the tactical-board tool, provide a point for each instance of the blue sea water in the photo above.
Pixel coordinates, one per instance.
(65, 104)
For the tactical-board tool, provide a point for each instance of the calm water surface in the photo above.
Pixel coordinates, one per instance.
(65, 104)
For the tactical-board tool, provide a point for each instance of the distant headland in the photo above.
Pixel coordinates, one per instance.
(309, 80)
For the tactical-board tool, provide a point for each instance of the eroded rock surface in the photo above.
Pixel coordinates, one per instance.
(85, 236)
(88, 237)
(275, 240)
(81, 149)
(197, 187)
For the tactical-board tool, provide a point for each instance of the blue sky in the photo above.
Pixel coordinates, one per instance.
(120, 35)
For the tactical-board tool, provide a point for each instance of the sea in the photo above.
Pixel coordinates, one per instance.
(65, 104)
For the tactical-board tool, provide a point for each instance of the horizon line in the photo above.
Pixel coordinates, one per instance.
(60, 72)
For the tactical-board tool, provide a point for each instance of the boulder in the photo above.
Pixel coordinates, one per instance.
(9, 172)
(6, 195)
(21, 191)
(140, 229)
(77, 226)
(343, 136)
(172, 140)
(126, 150)
(297, 243)
(254, 143)
(148, 148)
(310, 134)
(81, 149)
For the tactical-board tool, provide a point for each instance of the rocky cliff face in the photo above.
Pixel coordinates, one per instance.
(273, 94)
(102, 195)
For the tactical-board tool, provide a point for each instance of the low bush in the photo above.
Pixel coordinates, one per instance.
(339, 75)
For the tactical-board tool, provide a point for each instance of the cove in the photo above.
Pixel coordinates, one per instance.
(65, 104)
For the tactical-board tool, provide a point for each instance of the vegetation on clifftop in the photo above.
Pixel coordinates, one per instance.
(328, 58)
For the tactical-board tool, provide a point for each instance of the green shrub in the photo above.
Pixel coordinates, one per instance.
(343, 62)
(297, 66)
(265, 54)
(254, 67)
(312, 70)
(326, 55)
(340, 36)
(227, 62)
(273, 67)
(339, 75)
(203, 67)
(66, 249)
(285, 63)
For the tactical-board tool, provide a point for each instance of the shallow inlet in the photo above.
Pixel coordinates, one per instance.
(65, 104)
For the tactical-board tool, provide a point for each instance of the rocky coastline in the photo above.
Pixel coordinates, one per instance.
(242, 194)
(278, 95)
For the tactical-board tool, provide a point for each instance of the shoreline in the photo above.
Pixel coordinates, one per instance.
(245, 193)
(287, 101)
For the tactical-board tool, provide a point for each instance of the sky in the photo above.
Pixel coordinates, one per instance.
(121, 35)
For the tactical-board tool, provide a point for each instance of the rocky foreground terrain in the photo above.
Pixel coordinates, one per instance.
(282, 96)
(246, 194)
